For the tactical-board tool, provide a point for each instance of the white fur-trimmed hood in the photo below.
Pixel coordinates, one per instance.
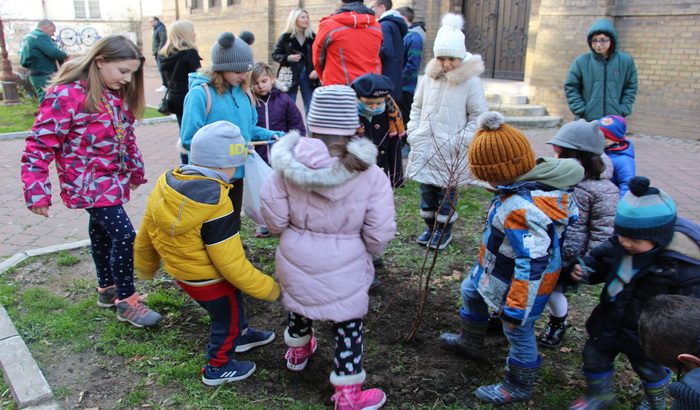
(285, 162)
(471, 66)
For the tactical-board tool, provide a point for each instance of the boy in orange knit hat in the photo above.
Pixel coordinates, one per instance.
(519, 260)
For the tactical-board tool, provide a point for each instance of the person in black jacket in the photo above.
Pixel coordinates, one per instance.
(394, 28)
(179, 57)
(159, 39)
(293, 49)
(653, 253)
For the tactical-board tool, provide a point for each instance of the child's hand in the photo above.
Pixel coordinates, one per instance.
(134, 187)
(42, 210)
(577, 273)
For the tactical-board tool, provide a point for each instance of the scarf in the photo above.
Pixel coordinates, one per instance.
(627, 268)
(396, 125)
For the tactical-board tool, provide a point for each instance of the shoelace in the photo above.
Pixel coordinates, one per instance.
(298, 352)
(340, 395)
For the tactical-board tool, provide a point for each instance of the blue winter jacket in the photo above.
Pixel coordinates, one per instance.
(624, 168)
(391, 52)
(412, 55)
(234, 106)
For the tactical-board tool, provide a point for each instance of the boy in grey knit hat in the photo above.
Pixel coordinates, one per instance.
(190, 223)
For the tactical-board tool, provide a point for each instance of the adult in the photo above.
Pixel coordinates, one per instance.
(179, 58)
(41, 56)
(160, 37)
(347, 44)
(294, 49)
(412, 57)
(603, 81)
(391, 52)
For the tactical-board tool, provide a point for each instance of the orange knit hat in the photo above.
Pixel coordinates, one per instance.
(499, 152)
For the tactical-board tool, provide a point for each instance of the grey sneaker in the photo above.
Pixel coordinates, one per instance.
(133, 310)
(106, 296)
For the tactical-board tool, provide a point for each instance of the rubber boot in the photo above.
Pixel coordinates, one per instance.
(655, 394)
(517, 385)
(600, 393)
(470, 339)
(441, 237)
(350, 396)
(424, 238)
(553, 334)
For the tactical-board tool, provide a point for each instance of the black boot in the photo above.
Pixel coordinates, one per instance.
(470, 339)
(554, 333)
(424, 238)
(441, 237)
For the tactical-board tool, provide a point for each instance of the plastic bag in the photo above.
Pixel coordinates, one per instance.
(256, 172)
(285, 76)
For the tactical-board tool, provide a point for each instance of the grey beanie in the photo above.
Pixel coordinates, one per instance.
(580, 135)
(333, 111)
(218, 145)
(231, 54)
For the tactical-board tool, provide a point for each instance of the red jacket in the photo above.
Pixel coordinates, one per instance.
(347, 46)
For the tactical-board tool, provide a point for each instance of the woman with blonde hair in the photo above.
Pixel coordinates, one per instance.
(293, 49)
(86, 124)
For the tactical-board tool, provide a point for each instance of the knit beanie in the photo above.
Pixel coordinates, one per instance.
(646, 213)
(247, 36)
(498, 151)
(580, 135)
(333, 111)
(231, 54)
(218, 145)
(449, 41)
(614, 127)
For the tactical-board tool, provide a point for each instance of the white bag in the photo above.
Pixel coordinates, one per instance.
(256, 172)
(284, 79)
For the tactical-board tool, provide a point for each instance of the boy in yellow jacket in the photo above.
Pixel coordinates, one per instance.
(190, 223)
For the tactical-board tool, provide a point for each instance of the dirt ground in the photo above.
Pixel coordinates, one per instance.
(415, 374)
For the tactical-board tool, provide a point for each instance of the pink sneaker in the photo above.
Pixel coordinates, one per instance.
(300, 350)
(352, 398)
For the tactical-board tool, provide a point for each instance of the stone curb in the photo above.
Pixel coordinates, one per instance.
(147, 121)
(21, 372)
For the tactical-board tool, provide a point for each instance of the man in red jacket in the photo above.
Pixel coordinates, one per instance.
(347, 44)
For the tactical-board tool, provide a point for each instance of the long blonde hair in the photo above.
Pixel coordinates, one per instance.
(217, 80)
(292, 27)
(108, 49)
(180, 37)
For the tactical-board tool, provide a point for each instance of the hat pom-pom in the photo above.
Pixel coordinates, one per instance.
(226, 40)
(453, 20)
(638, 185)
(490, 120)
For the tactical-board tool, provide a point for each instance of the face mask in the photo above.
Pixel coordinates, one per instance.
(366, 112)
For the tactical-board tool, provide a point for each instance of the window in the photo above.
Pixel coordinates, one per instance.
(214, 3)
(87, 9)
(195, 4)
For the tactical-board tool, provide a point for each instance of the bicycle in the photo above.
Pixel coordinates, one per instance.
(68, 37)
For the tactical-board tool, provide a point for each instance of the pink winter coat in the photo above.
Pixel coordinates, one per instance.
(85, 148)
(329, 221)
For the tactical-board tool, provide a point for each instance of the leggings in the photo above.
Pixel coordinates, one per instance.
(112, 247)
(348, 342)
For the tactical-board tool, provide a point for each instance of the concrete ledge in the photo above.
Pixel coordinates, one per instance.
(14, 135)
(27, 383)
(56, 248)
(7, 328)
(12, 261)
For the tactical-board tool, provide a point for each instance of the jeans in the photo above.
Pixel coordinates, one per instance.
(523, 344)
(600, 361)
(306, 91)
(436, 199)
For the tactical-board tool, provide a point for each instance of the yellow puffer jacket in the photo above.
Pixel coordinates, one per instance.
(190, 224)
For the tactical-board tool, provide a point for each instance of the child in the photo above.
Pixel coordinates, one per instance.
(653, 253)
(276, 112)
(669, 331)
(381, 122)
(519, 260)
(86, 123)
(448, 100)
(619, 149)
(220, 93)
(190, 224)
(327, 198)
(596, 197)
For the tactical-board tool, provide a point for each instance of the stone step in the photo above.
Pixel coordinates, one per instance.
(500, 98)
(544, 121)
(519, 110)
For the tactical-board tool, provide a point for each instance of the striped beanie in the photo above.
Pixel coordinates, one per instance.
(333, 111)
(646, 213)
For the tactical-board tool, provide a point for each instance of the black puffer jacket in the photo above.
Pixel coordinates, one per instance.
(287, 45)
(177, 78)
(674, 270)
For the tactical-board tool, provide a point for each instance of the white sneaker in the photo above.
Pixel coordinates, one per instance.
(161, 89)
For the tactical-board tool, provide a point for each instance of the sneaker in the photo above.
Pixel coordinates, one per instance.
(253, 338)
(161, 89)
(441, 237)
(297, 357)
(106, 296)
(353, 397)
(262, 232)
(133, 310)
(230, 372)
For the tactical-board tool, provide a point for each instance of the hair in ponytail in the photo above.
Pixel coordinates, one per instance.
(338, 147)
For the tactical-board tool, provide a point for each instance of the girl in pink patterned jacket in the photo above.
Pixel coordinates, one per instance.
(86, 124)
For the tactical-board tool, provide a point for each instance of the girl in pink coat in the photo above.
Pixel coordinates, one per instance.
(332, 208)
(86, 124)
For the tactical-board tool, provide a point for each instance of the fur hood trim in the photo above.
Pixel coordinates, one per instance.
(284, 162)
(471, 66)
